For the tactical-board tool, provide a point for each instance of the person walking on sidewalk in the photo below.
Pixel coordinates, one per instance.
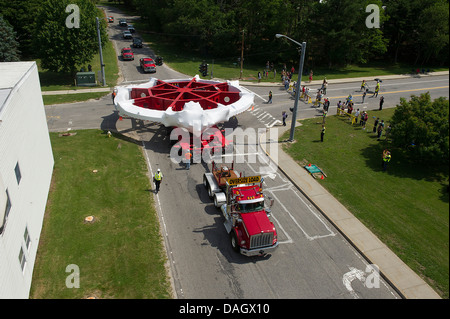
(158, 178)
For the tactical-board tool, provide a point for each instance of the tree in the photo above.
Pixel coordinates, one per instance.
(433, 30)
(422, 126)
(9, 51)
(339, 35)
(62, 48)
(21, 15)
(418, 30)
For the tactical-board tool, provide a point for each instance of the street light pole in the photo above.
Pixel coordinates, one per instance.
(302, 48)
(101, 53)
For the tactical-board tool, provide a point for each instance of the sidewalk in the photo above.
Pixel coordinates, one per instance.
(392, 269)
(92, 90)
(347, 80)
(278, 83)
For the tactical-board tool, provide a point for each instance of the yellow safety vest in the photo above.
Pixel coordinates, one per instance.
(158, 177)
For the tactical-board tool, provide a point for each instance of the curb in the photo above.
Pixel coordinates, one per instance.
(350, 80)
(97, 90)
(393, 270)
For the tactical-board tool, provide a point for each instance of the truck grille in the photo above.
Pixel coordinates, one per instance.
(261, 240)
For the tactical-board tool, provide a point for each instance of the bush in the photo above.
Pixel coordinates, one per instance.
(421, 127)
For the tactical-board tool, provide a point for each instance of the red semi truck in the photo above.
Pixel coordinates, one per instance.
(242, 203)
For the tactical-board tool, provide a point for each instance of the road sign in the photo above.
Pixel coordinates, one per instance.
(244, 180)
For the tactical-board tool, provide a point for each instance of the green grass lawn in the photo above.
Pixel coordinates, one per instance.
(407, 206)
(121, 254)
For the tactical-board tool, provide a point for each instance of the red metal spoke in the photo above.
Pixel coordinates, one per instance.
(176, 94)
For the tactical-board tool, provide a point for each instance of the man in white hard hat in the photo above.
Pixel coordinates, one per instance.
(158, 177)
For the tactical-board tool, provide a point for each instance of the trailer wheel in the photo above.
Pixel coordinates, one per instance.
(210, 192)
(205, 181)
(216, 203)
(234, 241)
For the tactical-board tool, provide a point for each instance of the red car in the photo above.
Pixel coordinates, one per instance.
(127, 54)
(147, 65)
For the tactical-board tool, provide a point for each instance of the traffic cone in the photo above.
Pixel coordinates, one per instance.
(309, 164)
(120, 118)
(321, 177)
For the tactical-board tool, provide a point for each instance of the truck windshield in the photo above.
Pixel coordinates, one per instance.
(251, 207)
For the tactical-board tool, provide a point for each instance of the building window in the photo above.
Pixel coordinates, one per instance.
(17, 171)
(7, 210)
(26, 237)
(22, 259)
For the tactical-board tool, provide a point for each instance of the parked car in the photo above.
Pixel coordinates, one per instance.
(123, 22)
(127, 35)
(137, 43)
(127, 54)
(147, 65)
(159, 60)
(131, 28)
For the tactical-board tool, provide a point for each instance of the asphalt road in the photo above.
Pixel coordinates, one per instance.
(312, 261)
(392, 90)
(130, 71)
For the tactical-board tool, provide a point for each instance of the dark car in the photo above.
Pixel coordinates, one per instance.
(137, 43)
(159, 60)
(147, 65)
(127, 54)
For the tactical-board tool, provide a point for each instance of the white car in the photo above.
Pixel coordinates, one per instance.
(127, 35)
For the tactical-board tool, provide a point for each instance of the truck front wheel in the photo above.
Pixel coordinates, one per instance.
(234, 241)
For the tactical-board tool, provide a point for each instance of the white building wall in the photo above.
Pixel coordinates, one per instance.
(24, 139)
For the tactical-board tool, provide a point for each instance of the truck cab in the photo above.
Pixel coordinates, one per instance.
(247, 221)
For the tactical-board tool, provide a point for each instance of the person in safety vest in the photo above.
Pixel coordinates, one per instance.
(363, 85)
(386, 159)
(377, 89)
(158, 178)
(188, 157)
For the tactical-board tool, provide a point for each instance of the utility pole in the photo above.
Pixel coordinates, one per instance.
(242, 55)
(100, 51)
(302, 51)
